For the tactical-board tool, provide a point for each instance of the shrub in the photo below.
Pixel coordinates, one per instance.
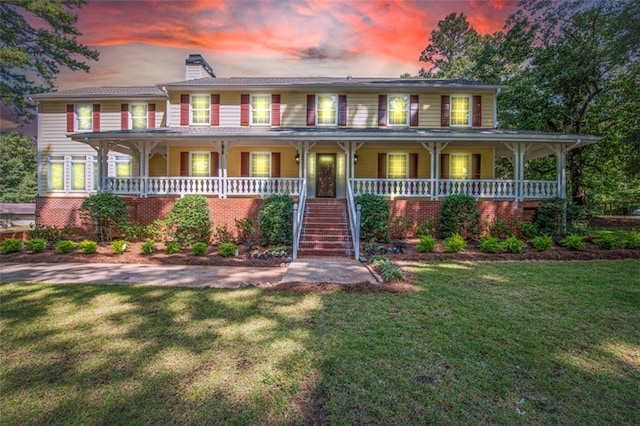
(454, 244)
(459, 215)
(573, 242)
(189, 220)
(387, 269)
(223, 235)
(133, 231)
(246, 229)
(490, 245)
(542, 243)
(50, 233)
(577, 219)
(631, 240)
(148, 247)
(428, 227)
(400, 227)
(199, 249)
(606, 241)
(88, 247)
(11, 245)
(374, 218)
(227, 249)
(37, 245)
(107, 212)
(276, 220)
(173, 247)
(119, 246)
(512, 245)
(427, 244)
(157, 231)
(499, 229)
(65, 246)
(528, 230)
(548, 217)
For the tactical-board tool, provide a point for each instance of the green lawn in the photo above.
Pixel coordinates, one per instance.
(505, 343)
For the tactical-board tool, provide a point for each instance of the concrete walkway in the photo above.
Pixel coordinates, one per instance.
(314, 270)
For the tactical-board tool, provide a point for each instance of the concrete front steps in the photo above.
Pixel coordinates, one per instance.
(325, 229)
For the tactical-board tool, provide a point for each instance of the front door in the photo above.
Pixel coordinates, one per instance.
(326, 176)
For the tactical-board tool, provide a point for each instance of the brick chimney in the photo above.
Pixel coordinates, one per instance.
(197, 67)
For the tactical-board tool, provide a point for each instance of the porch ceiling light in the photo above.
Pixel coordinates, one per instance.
(297, 158)
(355, 158)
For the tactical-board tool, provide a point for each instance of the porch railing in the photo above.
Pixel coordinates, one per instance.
(298, 218)
(354, 222)
(262, 186)
(393, 187)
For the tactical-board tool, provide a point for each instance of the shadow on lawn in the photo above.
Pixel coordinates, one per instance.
(478, 344)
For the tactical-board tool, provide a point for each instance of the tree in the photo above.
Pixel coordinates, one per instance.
(18, 165)
(31, 57)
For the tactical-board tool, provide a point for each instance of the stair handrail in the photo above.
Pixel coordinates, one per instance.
(354, 219)
(298, 218)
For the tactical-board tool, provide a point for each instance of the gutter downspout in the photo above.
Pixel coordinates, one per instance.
(495, 108)
(38, 150)
(166, 108)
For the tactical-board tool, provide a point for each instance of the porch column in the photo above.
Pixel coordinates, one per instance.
(431, 148)
(225, 147)
(519, 172)
(103, 152)
(561, 172)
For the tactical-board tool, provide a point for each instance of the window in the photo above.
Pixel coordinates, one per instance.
(327, 107)
(397, 166)
(138, 116)
(84, 117)
(398, 110)
(56, 173)
(261, 109)
(460, 111)
(200, 162)
(460, 166)
(200, 109)
(260, 164)
(78, 173)
(123, 166)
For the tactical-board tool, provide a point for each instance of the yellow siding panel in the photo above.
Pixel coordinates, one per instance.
(293, 109)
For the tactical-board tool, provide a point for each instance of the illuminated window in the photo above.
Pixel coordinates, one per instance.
(327, 107)
(200, 164)
(260, 109)
(84, 117)
(460, 111)
(200, 109)
(78, 173)
(397, 166)
(260, 164)
(460, 166)
(398, 110)
(56, 173)
(123, 166)
(138, 116)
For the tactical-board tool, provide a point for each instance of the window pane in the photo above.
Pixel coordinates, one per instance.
(397, 166)
(199, 164)
(460, 110)
(138, 117)
(260, 109)
(123, 167)
(78, 174)
(200, 109)
(327, 111)
(84, 113)
(56, 176)
(398, 107)
(459, 166)
(260, 165)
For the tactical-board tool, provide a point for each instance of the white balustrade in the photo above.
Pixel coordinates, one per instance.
(538, 189)
(262, 186)
(393, 187)
(479, 188)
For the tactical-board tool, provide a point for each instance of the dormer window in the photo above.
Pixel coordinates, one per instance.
(84, 117)
(398, 110)
(200, 109)
(327, 107)
(261, 110)
(460, 110)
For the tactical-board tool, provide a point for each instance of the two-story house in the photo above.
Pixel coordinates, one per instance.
(237, 140)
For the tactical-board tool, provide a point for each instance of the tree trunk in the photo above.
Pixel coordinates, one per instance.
(575, 164)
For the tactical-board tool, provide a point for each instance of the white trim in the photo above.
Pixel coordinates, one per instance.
(470, 116)
(191, 96)
(251, 154)
(335, 117)
(407, 110)
(406, 159)
(259, 95)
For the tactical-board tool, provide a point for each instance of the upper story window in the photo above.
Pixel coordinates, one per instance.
(84, 117)
(200, 109)
(138, 114)
(397, 166)
(327, 107)
(460, 110)
(260, 164)
(199, 164)
(261, 109)
(398, 110)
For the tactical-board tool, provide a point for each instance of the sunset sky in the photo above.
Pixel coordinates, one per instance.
(145, 42)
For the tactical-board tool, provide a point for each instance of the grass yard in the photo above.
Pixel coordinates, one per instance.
(500, 343)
